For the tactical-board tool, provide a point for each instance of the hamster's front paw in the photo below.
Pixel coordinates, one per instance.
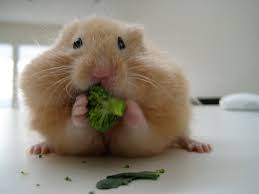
(79, 111)
(134, 117)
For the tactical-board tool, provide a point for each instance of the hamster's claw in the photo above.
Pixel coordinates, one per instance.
(41, 148)
(194, 146)
(79, 110)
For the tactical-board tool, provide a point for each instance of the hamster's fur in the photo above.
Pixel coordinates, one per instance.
(140, 72)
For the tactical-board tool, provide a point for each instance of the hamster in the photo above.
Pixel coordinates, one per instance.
(116, 55)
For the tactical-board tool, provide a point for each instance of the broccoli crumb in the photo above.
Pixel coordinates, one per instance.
(126, 166)
(37, 185)
(68, 179)
(24, 173)
(40, 156)
(161, 170)
(91, 192)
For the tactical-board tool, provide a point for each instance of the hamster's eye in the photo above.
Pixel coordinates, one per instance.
(121, 44)
(78, 43)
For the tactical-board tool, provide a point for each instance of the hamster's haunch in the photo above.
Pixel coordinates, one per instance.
(116, 55)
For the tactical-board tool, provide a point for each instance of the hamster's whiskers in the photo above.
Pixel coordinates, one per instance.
(70, 90)
(54, 88)
(52, 70)
(144, 78)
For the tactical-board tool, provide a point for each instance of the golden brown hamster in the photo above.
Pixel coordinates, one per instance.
(116, 55)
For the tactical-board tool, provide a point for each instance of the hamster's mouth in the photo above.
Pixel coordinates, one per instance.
(110, 84)
(107, 83)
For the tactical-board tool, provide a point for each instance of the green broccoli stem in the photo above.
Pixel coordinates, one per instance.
(103, 108)
(116, 106)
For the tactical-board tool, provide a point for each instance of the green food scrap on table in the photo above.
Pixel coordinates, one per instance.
(137, 175)
(103, 108)
(40, 156)
(110, 183)
(68, 179)
(37, 185)
(24, 173)
(161, 170)
(114, 181)
(91, 192)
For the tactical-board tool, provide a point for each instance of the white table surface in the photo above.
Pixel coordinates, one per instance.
(231, 168)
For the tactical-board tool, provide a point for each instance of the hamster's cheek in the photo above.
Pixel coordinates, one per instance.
(81, 78)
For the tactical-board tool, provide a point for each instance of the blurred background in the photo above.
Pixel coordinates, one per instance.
(217, 42)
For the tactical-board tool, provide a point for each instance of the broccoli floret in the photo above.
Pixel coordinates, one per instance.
(103, 108)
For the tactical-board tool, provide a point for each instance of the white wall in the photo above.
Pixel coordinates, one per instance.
(23, 33)
(217, 42)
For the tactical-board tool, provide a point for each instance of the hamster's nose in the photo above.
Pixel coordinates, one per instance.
(100, 73)
(103, 75)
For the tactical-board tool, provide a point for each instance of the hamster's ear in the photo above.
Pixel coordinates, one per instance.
(135, 34)
(66, 33)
